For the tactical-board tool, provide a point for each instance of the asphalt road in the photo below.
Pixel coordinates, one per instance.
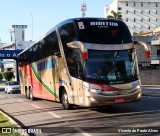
(51, 119)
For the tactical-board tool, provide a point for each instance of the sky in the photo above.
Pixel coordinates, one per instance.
(43, 15)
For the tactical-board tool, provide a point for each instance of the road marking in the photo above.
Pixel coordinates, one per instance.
(20, 100)
(82, 132)
(53, 114)
(36, 106)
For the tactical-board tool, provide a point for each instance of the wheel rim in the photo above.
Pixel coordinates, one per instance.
(65, 100)
(27, 93)
(30, 95)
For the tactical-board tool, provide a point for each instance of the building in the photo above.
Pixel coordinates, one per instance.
(140, 16)
(17, 42)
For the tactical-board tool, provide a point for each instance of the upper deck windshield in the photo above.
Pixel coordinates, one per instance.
(111, 66)
(103, 32)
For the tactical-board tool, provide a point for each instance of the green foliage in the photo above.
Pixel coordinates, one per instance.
(8, 75)
(6, 123)
(135, 33)
(1, 75)
(116, 15)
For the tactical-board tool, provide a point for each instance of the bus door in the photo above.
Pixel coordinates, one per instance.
(60, 75)
(80, 94)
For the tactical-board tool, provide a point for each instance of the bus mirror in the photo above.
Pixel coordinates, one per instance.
(81, 46)
(146, 48)
(77, 44)
(74, 44)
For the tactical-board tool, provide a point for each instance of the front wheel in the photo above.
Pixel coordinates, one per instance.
(64, 100)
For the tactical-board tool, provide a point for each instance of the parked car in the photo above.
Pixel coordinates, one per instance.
(12, 87)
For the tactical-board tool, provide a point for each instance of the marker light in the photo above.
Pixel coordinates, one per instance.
(84, 55)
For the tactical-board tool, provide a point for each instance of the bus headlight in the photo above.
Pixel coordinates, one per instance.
(95, 91)
(136, 88)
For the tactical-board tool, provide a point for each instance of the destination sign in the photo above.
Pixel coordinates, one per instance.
(103, 23)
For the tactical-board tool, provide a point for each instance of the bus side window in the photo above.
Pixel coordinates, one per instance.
(79, 68)
(71, 63)
(74, 63)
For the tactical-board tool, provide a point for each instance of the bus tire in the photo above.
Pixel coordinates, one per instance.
(64, 101)
(27, 93)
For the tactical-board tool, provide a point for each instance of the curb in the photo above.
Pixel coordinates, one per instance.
(12, 121)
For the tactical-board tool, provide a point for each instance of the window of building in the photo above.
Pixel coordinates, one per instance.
(134, 4)
(141, 4)
(156, 4)
(134, 20)
(156, 19)
(126, 11)
(23, 35)
(126, 3)
(119, 8)
(141, 19)
(158, 53)
(141, 11)
(149, 27)
(149, 11)
(120, 16)
(134, 11)
(156, 12)
(149, 19)
(148, 3)
(126, 19)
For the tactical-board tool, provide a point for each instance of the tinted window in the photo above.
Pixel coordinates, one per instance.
(74, 63)
(67, 34)
(13, 83)
(111, 65)
(44, 48)
(103, 32)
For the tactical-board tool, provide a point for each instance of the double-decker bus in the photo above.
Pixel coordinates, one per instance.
(82, 61)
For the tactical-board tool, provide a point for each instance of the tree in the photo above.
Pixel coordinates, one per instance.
(116, 15)
(1, 76)
(8, 75)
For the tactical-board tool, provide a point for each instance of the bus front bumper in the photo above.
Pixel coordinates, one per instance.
(92, 100)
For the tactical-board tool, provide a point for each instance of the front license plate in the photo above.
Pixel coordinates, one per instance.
(119, 100)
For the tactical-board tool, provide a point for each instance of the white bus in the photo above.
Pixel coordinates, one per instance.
(83, 61)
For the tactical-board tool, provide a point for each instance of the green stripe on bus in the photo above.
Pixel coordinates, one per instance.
(40, 80)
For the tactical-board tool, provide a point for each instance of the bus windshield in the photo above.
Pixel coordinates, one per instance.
(111, 66)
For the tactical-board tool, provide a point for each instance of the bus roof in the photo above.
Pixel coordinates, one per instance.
(68, 21)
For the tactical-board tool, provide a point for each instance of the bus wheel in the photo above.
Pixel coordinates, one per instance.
(31, 94)
(64, 100)
(27, 93)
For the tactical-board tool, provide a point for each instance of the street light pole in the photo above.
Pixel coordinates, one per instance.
(32, 25)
